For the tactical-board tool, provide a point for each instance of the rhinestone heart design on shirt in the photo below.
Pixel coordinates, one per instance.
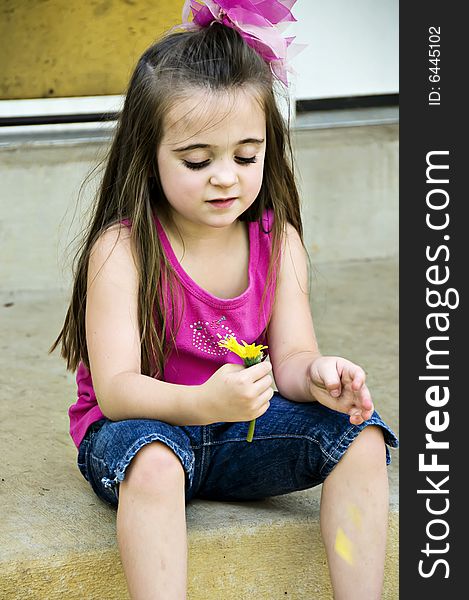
(205, 338)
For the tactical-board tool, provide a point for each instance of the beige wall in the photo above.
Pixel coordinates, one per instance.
(57, 48)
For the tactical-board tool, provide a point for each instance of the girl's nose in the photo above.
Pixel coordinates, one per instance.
(224, 175)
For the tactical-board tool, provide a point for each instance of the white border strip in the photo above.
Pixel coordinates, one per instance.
(61, 106)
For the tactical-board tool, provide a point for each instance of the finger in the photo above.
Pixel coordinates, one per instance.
(261, 385)
(264, 400)
(266, 397)
(367, 414)
(259, 371)
(351, 373)
(358, 378)
(355, 417)
(330, 378)
(363, 399)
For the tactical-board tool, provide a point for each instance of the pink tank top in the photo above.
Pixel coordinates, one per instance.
(205, 319)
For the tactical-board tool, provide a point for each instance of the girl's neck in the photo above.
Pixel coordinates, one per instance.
(215, 258)
(198, 238)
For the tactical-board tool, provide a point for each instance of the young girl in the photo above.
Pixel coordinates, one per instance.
(196, 238)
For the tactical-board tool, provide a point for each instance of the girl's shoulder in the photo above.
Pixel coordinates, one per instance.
(115, 235)
(112, 252)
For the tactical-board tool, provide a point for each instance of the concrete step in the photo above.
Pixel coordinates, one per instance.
(58, 539)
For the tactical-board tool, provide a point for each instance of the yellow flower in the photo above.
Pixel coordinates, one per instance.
(250, 353)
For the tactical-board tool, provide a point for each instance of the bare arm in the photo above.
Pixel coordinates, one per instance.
(301, 373)
(113, 343)
(291, 338)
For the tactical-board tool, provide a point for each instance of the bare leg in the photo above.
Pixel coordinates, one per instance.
(151, 525)
(354, 506)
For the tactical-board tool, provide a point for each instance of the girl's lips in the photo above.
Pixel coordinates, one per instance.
(222, 203)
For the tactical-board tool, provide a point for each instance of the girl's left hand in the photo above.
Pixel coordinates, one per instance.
(340, 385)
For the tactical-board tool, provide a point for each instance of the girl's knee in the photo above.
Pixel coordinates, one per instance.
(155, 467)
(369, 446)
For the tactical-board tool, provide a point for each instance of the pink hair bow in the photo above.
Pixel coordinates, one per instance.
(257, 21)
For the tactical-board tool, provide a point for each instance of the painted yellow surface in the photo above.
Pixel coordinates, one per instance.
(56, 48)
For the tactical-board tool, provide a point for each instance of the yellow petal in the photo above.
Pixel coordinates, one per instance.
(232, 345)
(250, 351)
(343, 546)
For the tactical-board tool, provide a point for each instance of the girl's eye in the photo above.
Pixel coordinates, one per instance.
(196, 165)
(200, 165)
(246, 161)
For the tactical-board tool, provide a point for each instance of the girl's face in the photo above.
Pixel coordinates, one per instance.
(211, 157)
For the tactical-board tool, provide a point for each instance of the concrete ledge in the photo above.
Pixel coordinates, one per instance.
(266, 562)
(58, 539)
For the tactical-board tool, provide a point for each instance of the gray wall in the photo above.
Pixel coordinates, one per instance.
(348, 178)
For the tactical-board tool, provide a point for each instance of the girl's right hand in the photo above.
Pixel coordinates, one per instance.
(236, 393)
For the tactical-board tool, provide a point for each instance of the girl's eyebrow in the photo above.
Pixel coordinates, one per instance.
(255, 141)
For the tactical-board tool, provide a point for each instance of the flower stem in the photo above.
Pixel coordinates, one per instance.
(251, 355)
(252, 425)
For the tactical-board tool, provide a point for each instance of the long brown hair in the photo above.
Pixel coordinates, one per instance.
(215, 58)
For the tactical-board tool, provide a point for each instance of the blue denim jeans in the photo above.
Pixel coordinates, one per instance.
(295, 447)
